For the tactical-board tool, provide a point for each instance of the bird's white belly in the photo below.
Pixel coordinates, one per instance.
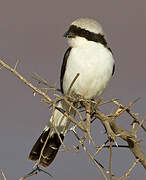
(95, 67)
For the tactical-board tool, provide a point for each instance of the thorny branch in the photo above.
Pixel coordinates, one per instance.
(92, 112)
(34, 172)
(129, 136)
(13, 70)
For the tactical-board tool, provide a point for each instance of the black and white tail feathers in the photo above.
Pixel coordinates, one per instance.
(51, 148)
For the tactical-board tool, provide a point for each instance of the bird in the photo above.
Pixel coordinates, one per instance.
(89, 56)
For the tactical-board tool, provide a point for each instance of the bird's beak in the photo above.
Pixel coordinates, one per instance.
(69, 34)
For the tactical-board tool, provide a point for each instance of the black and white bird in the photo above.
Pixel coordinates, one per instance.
(89, 55)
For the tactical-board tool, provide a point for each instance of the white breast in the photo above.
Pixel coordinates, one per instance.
(94, 63)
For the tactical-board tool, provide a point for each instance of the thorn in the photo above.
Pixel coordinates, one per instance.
(116, 143)
(99, 164)
(34, 93)
(107, 172)
(16, 64)
(93, 120)
(60, 109)
(1, 67)
(73, 129)
(41, 170)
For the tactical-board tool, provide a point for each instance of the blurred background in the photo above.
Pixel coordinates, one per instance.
(32, 32)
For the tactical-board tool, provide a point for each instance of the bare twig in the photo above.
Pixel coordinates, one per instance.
(53, 125)
(126, 175)
(141, 123)
(127, 109)
(72, 119)
(25, 81)
(34, 172)
(72, 83)
(95, 162)
(76, 110)
(91, 157)
(41, 153)
(98, 149)
(42, 81)
(110, 161)
(3, 174)
(88, 112)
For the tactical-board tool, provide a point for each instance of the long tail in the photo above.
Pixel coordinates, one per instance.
(53, 143)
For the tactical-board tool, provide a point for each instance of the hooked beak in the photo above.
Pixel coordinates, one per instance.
(69, 34)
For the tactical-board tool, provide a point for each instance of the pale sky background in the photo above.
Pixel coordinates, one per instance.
(31, 31)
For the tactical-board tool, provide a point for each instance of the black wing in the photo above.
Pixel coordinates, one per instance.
(113, 69)
(63, 67)
(114, 64)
